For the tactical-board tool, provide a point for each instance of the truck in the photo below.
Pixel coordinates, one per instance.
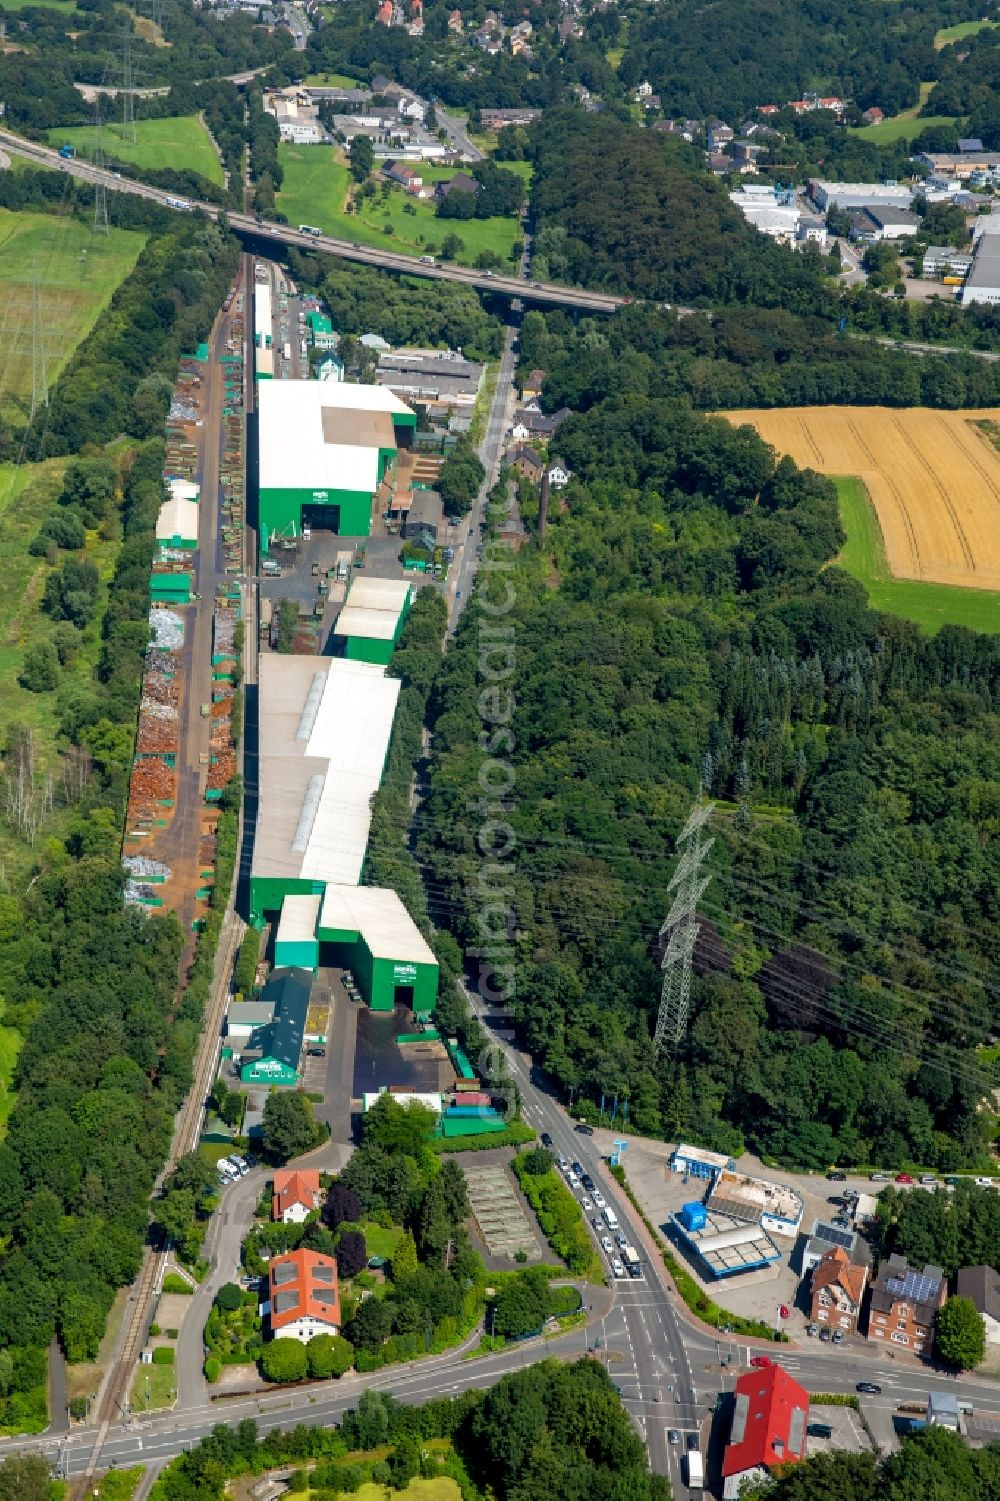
(631, 1259)
(67, 152)
(287, 352)
(343, 563)
(695, 1470)
(180, 203)
(309, 229)
(610, 1218)
(427, 260)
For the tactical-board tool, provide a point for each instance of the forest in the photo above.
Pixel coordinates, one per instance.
(728, 59)
(681, 625)
(934, 1463)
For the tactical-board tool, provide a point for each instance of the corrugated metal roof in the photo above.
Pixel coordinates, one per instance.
(298, 918)
(294, 453)
(178, 518)
(388, 930)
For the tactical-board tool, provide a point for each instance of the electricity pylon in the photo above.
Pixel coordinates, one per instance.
(100, 225)
(128, 87)
(680, 927)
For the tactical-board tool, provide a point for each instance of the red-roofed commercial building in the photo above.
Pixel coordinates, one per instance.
(769, 1426)
(295, 1195)
(304, 1295)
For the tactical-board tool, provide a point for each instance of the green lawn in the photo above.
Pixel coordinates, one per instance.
(904, 127)
(315, 190)
(154, 1388)
(442, 1488)
(10, 1046)
(334, 81)
(963, 29)
(381, 1242)
(179, 142)
(78, 273)
(66, 5)
(929, 605)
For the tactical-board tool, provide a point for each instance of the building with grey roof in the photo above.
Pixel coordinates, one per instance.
(983, 282)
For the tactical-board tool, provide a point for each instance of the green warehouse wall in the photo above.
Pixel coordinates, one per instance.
(281, 511)
(301, 952)
(387, 974)
(268, 892)
(268, 1071)
(367, 649)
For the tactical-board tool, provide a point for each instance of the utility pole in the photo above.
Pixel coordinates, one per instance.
(100, 225)
(39, 383)
(128, 92)
(680, 927)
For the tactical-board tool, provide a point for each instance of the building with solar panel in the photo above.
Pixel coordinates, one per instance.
(903, 1304)
(824, 1237)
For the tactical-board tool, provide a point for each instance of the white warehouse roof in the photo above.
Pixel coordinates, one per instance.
(323, 745)
(297, 922)
(262, 308)
(372, 608)
(178, 518)
(185, 489)
(378, 914)
(318, 434)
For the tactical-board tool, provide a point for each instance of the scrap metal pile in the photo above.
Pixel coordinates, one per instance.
(225, 660)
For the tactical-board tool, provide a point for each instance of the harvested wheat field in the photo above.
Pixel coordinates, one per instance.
(933, 477)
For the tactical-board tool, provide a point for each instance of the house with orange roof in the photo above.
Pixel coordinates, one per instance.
(303, 1296)
(295, 1194)
(837, 1289)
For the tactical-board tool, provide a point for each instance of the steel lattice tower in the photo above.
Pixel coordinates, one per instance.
(680, 927)
(100, 225)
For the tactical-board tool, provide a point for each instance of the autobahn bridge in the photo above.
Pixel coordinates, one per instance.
(264, 236)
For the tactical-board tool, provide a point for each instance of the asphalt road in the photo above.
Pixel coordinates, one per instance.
(266, 234)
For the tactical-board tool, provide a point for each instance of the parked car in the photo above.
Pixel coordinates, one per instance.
(837, 1177)
(838, 1335)
(572, 1179)
(825, 1336)
(928, 1177)
(621, 1241)
(578, 1169)
(812, 1329)
(904, 1178)
(878, 1177)
(597, 1224)
(851, 1194)
(563, 1164)
(587, 1206)
(870, 1388)
(588, 1183)
(761, 1362)
(673, 1437)
(694, 1441)
(841, 1221)
(984, 1182)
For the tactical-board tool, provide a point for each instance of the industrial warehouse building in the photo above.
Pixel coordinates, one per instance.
(324, 738)
(383, 947)
(273, 1052)
(372, 620)
(723, 1243)
(326, 449)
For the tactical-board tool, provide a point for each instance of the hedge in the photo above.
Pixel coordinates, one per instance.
(517, 1134)
(173, 1282)
(163, 1355)
(561, 1219)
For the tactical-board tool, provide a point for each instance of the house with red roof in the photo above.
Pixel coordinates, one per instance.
(769, 1427)
(294, 1195)
(303, 1296)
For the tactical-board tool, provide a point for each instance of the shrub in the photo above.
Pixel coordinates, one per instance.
(163, 1355)
(284, 1360)
(213, 1369)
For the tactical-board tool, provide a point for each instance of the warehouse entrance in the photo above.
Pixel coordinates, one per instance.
(321, 518)
(402, 995)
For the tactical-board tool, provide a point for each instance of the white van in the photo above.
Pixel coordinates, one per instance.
(610, 1218)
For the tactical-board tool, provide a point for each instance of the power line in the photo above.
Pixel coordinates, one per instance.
(100, 225)
(680, 928)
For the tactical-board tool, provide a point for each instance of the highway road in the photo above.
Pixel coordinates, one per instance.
(265, 235)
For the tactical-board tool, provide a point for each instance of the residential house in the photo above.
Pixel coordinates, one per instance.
(873, 116)
(498, 119)
(303, 1296)
(970, 143)
(770, 1418)
(642, 92)
(526, 462)
(903, 1304)
(295, 1195)
(982, 1285)
(383, 16)
(533, 383)
(719, 163)
(460, 183)
(559, 475)
(405, 175)
(455, 21)
(719, 135)
(568, 29)
(837, 1289)
(330, 367)
(411, 107)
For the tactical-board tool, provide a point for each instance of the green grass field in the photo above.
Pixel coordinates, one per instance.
(381, 1242)
(930, 605)
(65, 5)
(963, 29)
(334, 81)
(78, 273)
(10, 1046)
(179, 142)
(442, 1488)
(905, 127)
(154, 1388)
(315, 191)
